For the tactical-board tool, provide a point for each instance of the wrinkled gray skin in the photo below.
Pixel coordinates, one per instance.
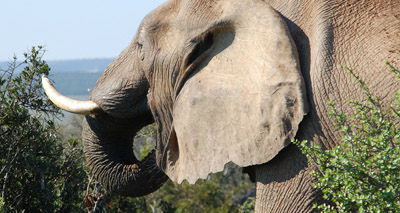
(142, 85)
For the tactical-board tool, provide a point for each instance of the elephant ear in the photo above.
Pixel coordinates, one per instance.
(244, 102)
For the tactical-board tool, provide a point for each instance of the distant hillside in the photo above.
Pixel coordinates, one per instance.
(79, 65)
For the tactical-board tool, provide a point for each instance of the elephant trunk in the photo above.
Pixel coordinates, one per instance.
(121, 93)
(109, 153)
(117, 110)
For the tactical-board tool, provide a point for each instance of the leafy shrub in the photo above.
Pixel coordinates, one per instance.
(222, 192)
(217, 194)
(363, 173)
(249, 205)
(40, 173)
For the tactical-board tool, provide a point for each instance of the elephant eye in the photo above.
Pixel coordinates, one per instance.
(140, 49)
(201, 47)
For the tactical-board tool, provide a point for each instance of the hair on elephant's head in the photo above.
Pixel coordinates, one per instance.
(222, 81)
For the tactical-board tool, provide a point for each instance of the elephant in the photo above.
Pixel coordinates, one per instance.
(235, 81)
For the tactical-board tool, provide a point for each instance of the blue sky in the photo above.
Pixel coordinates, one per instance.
(70, 29)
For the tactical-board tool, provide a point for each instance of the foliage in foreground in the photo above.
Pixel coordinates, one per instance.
(363, 173)
(222, 192)
(38, 171)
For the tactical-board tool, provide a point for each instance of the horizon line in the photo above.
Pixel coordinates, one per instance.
(63, 60)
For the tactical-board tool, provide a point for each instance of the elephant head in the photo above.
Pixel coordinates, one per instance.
(222, 81)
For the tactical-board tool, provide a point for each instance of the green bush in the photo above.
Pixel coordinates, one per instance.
(40, 173)
(249, 205)
(220, 193)
(363, 173)
(213, 195)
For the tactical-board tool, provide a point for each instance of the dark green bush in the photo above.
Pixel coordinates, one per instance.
(363, 173)
(220, 193)
(39, 172)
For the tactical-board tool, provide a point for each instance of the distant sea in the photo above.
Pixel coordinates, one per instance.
(73, 78)
(78, 65)
(74, 83)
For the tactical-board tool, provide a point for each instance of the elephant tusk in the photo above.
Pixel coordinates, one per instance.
(68, 104)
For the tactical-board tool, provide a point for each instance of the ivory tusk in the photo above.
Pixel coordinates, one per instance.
(68, 104)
